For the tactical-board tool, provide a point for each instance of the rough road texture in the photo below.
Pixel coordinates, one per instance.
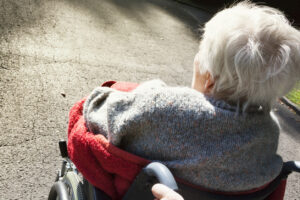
(52, 53)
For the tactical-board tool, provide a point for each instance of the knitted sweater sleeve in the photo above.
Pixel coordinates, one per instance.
(108, 111)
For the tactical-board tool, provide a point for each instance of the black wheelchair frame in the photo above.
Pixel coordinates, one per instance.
(70, 185)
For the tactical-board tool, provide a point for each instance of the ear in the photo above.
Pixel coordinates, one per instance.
(209, 82)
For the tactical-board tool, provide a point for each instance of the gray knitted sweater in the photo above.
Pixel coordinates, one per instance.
(203, 141)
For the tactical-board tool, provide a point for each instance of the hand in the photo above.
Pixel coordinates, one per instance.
(162, 192)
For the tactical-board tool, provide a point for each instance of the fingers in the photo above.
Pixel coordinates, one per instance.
(162, 192)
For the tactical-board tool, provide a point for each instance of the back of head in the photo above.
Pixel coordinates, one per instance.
(252, 53)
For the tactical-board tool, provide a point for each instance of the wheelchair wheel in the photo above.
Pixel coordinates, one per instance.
(74, 186)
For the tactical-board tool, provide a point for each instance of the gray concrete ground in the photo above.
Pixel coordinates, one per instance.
(52, 53)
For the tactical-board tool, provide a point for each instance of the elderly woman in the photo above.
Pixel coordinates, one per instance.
(218, 134)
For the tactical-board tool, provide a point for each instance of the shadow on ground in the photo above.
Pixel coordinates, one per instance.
(17, 14)
(137, 9)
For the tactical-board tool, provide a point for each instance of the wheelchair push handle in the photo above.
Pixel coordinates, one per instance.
(153, 173)
(162, 173)
(291, 166)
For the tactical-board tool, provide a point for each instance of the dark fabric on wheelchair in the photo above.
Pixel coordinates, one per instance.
(273, 191)
(191, 194)
(100, 195)
(141, 189)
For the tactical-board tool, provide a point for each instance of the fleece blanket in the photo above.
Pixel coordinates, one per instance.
(104, 165)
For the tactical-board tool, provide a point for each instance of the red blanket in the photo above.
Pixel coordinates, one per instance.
(105, 166)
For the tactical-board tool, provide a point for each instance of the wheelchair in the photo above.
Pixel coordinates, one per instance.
(71, 185)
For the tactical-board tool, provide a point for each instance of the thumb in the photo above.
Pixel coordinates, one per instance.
(162, 192)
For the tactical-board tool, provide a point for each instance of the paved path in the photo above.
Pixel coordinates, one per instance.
(52, 53)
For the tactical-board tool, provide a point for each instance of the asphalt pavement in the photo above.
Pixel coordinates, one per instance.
(54, 52)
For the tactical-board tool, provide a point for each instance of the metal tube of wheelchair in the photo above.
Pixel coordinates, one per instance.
(58, 190)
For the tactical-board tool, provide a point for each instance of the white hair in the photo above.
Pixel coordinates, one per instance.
(252, 53)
